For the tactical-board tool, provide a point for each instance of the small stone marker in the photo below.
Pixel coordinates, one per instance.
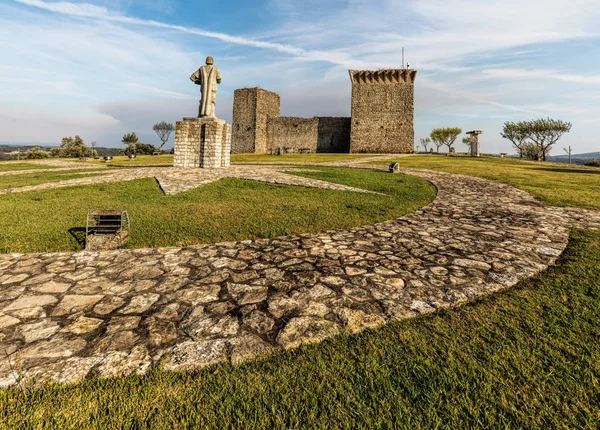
(394, 168)
(131, 157)
(107, 158)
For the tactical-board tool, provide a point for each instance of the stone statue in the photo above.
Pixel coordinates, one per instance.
(207, 77)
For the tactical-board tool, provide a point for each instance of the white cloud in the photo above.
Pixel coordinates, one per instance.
(541, 74)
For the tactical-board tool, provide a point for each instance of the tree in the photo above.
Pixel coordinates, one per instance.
(445, 136)
(138, 148)
(73, 147)
(55, 152)
(130, 139)
(545, 132)
(569, 152)
(36, 153)
(517, 133)
(93, 145)
(467, 141)
(531, 151)
(163, 130)
(425, 142)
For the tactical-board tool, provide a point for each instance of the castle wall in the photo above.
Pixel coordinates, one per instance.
(382, 111)
(292, 134)
(252, 107)
(333, 134)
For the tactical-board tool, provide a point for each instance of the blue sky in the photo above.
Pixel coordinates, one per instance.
(103, 68)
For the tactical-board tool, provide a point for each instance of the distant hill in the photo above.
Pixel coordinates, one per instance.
(575, 158)
(13, 152)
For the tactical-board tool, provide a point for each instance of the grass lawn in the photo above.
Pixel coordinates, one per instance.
(9, 167)
(296, 158)
(22, 180)
(528, 357)
(226, 210)
(556, 185)
(167, 160)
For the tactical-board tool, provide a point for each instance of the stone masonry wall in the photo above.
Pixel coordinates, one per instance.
(292, 134)
(333, 134)
(187, 141)
(382, 111)
(251, 109)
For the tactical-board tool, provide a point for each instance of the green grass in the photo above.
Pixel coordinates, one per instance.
(296, 158)
(226, 210)
(556, 185)
(167, 160)
(22, 180)
(528, 357)
(10, 166)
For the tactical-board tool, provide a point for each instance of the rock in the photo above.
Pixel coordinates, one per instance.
(247, 347)
(357, 320)
(123, 363)
(192, 355)
(259, 322)
(471, 264)
(123, 323)
(140, 304)
(29, 313)
(245, 294)
(305, 329)
(83, 325)
(57, 347)
(15, 279)
(8, 321)
(51, 287)
(354, 271)
(199, 294)
(75, 303)
(28, 301)
(199, 326)
(282, 305)
(36, 331)
(108, 305)
(161, 331)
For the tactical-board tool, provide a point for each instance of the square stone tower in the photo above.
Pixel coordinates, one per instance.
(252, 107)
(382, 111)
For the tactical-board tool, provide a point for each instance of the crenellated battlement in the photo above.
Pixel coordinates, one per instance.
(383, 76)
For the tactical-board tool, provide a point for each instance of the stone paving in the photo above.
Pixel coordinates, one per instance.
(68, 316)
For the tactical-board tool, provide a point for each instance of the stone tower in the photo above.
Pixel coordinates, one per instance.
(382, 111)
(252, 107)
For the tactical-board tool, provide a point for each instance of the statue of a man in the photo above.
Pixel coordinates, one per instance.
(207, 77)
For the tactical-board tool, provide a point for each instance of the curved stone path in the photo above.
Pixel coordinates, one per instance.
(68, 316)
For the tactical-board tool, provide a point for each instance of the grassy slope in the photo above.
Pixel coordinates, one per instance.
(525, 358)
(21, 180)
(556, 185)
(226, 210)
(10, 166)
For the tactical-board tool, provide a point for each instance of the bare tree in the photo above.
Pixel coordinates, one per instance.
(163, 130)
(425, 142)
(445, 136)
(569, 152)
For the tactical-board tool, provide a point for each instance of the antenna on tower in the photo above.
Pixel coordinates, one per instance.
(403, 57)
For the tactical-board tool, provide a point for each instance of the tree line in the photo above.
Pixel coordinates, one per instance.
(75, 147)
(532, 139)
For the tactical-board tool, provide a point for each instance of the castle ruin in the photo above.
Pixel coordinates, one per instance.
(382, 119)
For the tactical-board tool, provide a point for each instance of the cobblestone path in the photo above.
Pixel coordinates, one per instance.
(68, 316)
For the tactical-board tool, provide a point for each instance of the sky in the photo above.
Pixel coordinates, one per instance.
(103, 68)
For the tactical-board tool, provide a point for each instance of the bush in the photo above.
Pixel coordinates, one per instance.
(592, 162)
(36, 153)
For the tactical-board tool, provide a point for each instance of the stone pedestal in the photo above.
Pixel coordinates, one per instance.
(474, 137)
(202, 142)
